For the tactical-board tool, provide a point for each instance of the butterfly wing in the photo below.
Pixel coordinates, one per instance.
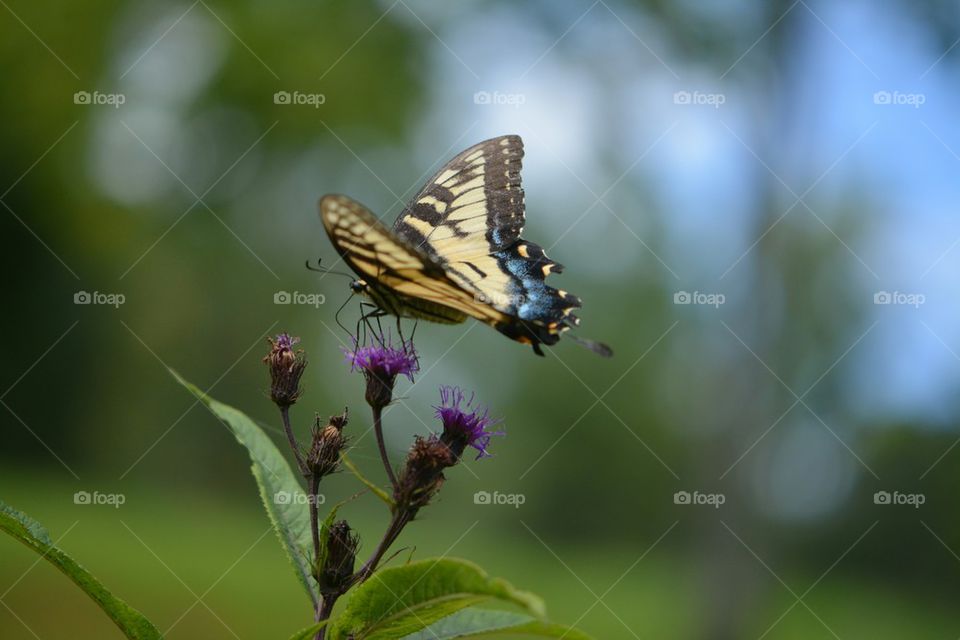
(468, 219)
(404, 280)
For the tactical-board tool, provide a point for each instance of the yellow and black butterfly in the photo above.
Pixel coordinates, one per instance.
(456, 252)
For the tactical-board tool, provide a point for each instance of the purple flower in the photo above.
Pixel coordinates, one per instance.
(285, 342)
(384, 360)
(381, 364)
(463, 424)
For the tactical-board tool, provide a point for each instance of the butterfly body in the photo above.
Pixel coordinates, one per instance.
(404, 306)
(456, 251)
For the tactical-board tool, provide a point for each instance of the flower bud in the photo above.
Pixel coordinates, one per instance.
(286, 368)
(340, 557)
(323, 458)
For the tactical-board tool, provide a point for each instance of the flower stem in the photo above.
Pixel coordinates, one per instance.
(324, 609)
(397, 523)
(315, 518)
(285, 417)
(378, 430)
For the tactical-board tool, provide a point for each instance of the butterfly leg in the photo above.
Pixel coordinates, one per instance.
(369, 311)
(400, 330)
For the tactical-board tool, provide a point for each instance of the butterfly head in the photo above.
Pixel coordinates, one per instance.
(359, 286)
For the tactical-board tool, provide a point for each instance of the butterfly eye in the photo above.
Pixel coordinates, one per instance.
(358, 286)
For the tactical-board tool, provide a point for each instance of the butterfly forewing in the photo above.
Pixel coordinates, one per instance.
(401, 274)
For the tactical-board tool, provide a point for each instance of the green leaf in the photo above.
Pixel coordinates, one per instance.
(34, 535)
(309, 632)
(377, 491)
(470, 623)
(399, 601)
(290, 514)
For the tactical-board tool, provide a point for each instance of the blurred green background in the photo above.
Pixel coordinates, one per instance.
(797, 159)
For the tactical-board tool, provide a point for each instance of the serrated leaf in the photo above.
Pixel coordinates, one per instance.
(290, 514)
(31, 533)
(309, 632)
(471, 623)
(403, 600)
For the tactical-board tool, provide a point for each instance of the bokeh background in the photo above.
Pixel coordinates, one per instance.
(786, 167)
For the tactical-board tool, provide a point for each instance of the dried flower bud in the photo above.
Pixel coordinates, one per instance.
(422, 474)
(380, 365)
(286, 368)
(341, 554)
(328, 441)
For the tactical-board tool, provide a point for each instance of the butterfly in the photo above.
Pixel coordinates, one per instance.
(455, 252)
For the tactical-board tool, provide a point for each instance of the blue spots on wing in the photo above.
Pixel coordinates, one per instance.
(531, 299)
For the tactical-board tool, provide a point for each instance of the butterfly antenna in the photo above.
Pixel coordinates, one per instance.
(337, 315)
(326, 271)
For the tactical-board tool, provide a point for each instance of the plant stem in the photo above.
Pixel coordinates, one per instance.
(315, 518)
(397, 523)
(324, 609)
(378, 430)
(285, 417)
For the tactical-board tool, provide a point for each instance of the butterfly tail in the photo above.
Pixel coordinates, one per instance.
(597, 347)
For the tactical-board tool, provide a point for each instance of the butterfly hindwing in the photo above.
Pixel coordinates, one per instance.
(473, 205)
(469, 218)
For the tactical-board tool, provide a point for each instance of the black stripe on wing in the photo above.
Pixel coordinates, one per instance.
(475, 197)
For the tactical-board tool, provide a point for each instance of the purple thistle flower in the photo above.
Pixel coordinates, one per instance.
(384, 360)
(380, 365)
(463, 424)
